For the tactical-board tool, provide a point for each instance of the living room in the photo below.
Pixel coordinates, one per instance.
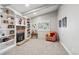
(25, 29)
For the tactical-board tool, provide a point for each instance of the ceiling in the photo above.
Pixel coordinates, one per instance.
(22, 8)
(33, 10)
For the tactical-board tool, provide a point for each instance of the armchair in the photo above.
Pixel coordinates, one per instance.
(51, 36)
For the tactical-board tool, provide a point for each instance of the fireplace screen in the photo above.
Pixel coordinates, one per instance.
(20, 34)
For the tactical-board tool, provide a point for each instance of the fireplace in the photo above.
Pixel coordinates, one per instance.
(20, 33)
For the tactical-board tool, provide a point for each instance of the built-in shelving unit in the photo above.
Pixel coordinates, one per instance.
(13, 30)
(28, 28)
(22, 28)
(7, 29)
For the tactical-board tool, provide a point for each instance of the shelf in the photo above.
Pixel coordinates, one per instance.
(11, 29)
(20, 25)
(28, 29)
(7, 41)
(7, 35)
(7, 26)
(4, 36)
(11, 34)
(7, 29)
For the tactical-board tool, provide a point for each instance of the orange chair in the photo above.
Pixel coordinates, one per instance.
(51, 36)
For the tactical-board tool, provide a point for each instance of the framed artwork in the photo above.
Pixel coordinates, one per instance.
(44, 26)
(59, 23)
(63, 22)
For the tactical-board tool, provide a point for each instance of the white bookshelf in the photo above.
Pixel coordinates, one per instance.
(25, 32)
(7, 32)
(4, 46)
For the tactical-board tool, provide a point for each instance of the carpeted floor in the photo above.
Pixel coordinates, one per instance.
(38, 47)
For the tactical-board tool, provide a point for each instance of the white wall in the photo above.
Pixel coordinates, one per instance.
(70, 36)
(52, 17)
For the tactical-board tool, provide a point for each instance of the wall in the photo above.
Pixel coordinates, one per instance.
(43, 18)
(69, 36)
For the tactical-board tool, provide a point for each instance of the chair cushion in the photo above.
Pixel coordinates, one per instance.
(52, 34)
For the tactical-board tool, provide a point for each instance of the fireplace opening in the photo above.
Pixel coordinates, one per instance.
(20, 33)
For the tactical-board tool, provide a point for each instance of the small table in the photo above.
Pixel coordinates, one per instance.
(34, 34)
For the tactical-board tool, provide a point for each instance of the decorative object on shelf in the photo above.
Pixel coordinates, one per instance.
(12, 18)
(11, 22)
(8, 11)
(6, 21)
(3, 33)
(24, 22)
(1, 16)
(12, 31)
(28, 28)
(11, 26)
(28, 22)
(5, 39)
(20, 21)
(11, 36)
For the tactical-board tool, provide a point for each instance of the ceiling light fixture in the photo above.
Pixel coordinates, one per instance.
(27, 5)
(34, 13)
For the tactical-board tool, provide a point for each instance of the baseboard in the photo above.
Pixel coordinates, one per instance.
(69, 52)
(3, 51)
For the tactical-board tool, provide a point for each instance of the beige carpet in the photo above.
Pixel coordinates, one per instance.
(38, 47)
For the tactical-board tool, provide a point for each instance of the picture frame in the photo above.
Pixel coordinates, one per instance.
(59, 23)
(44, 26)
(63, 22)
